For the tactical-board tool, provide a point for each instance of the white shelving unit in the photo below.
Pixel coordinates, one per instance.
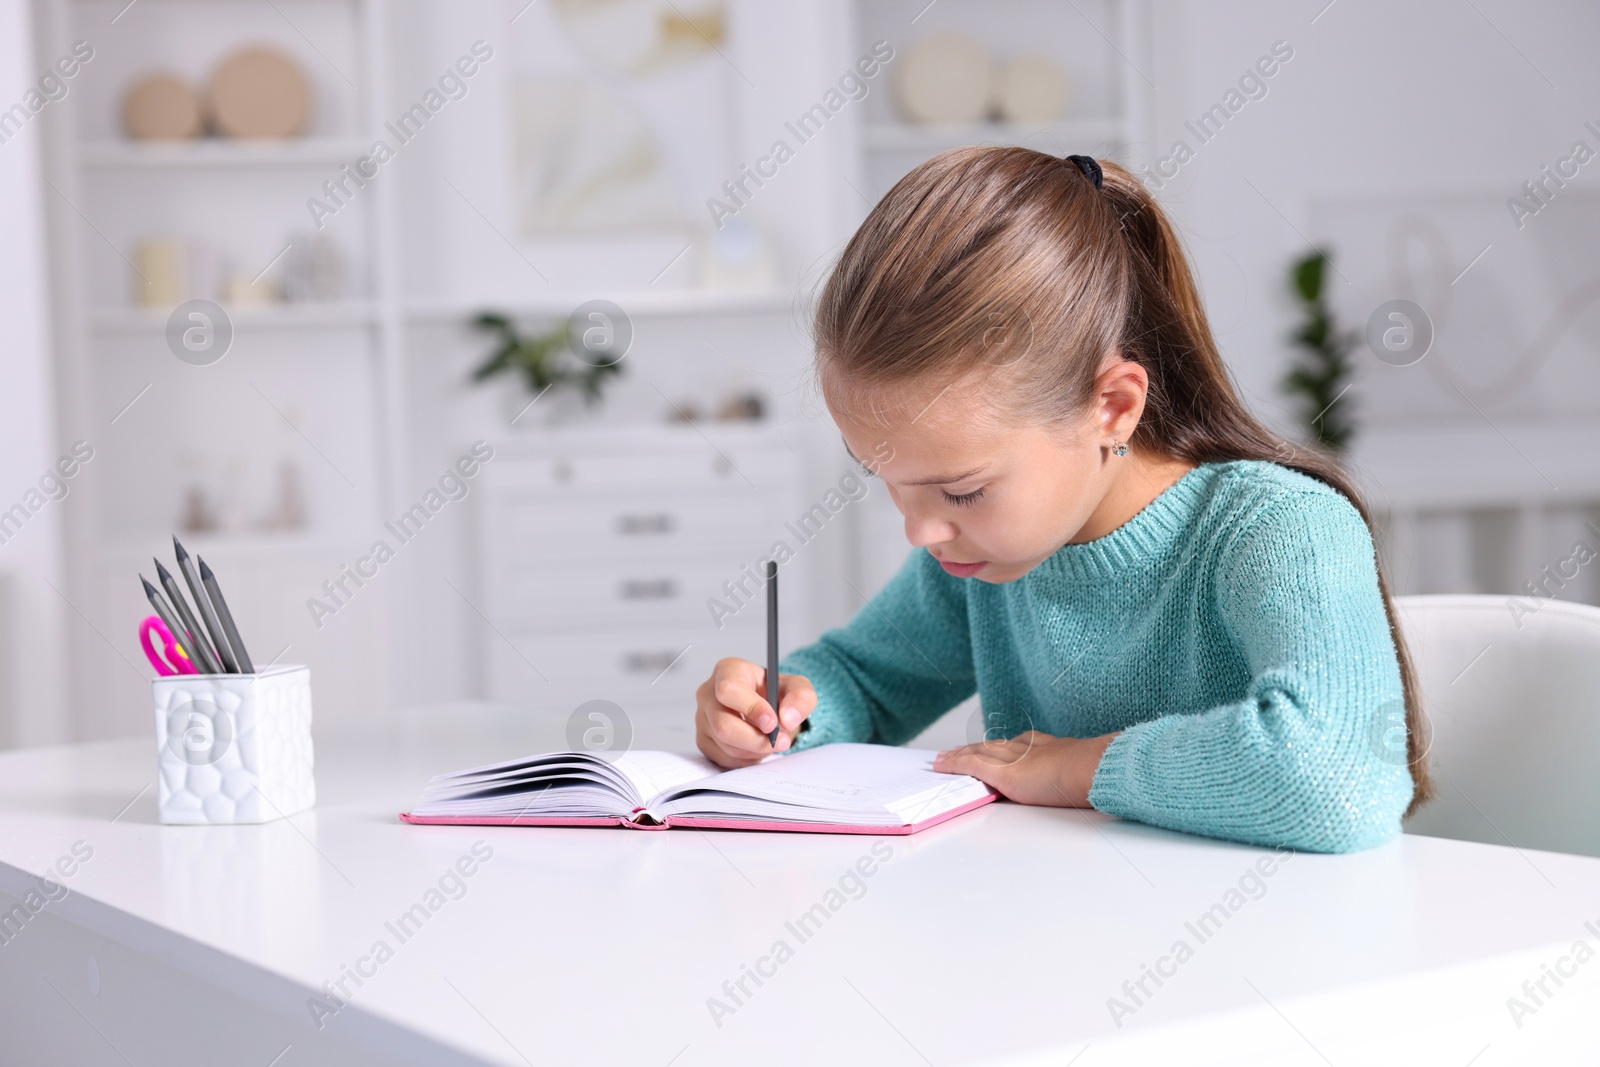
(927, 140)
(642, 302)
(326, 383)
(1102, 44)
(141, 409)
(263, 316)
(308, 151)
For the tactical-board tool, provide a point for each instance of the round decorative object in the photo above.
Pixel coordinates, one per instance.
(260, 92)
(162, 107)
(1031, 88)
(944, 78)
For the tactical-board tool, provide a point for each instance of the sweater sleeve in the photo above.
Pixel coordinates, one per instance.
(904, 660)
(1306, 758)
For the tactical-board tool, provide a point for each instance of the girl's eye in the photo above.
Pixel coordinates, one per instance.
(964, 500)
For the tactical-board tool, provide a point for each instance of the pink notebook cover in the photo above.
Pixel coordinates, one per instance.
(697, 823)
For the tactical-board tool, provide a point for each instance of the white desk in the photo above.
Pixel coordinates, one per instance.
(996, 938)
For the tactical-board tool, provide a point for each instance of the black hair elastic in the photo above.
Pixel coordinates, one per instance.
(1090, 168)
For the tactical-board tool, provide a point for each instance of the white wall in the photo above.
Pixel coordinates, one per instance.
(31, 611)
(1423, 98)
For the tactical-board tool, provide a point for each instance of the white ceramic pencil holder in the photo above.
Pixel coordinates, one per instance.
(234, 748)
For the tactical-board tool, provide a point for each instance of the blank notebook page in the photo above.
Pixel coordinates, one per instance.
(842, 783)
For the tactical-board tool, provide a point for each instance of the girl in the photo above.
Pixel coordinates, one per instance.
(1169, 613)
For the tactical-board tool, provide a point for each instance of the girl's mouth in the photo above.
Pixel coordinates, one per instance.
(963, 570)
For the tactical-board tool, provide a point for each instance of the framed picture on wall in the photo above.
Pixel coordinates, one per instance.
(621, 111)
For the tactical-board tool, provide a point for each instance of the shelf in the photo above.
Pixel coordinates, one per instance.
(214, 153)
(254, 544)
(638, 302)
(1069, 133)
(268, 316)
(1515, 462)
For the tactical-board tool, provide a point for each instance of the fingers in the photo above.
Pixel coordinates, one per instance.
(966, 760)
(737, 716)
(797, 699)
(709, 720)
(707, 723)
(987, 756)
(737, 686)
(733, 719)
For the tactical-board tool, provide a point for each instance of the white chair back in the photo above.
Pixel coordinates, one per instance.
(1512, 691)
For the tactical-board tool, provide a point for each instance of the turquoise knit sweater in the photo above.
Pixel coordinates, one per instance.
(1232, 631)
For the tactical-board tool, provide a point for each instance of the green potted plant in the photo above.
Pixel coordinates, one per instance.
(1320, 373)
(546, 361)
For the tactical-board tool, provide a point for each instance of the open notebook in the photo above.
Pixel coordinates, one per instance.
(839, 788)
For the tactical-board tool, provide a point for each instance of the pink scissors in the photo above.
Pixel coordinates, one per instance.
(176, 661)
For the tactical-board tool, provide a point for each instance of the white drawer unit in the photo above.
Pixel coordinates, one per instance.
(647, 671)
(602, 549)
(640, 588)
(725, 460)
(625, 524)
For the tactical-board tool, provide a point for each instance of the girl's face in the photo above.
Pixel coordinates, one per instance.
(992, 500)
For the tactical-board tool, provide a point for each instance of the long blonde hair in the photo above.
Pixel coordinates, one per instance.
(981, 254)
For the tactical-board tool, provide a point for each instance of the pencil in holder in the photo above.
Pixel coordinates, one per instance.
(234, 748)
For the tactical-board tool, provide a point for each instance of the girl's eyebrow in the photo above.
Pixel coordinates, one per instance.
(942, 480)
(946, 480)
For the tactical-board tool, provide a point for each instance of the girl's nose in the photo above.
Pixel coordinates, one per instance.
(922, 532)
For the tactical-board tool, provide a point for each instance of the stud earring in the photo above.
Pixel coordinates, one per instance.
(1119, 448)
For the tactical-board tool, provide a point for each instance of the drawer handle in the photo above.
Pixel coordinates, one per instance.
(649, 589)
(634, 525)
(650, 662)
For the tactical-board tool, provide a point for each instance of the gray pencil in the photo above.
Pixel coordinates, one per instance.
(772, 647)
(158, 602)
(203, 602)
(226, 616)
(199, 651)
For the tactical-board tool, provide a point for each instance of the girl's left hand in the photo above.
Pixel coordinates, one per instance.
(1032, 768)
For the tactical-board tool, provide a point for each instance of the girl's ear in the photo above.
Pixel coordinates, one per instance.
(1120, 392)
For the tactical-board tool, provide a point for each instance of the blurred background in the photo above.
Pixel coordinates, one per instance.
(468, 343)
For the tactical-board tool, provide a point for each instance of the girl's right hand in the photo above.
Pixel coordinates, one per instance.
(732, 718)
